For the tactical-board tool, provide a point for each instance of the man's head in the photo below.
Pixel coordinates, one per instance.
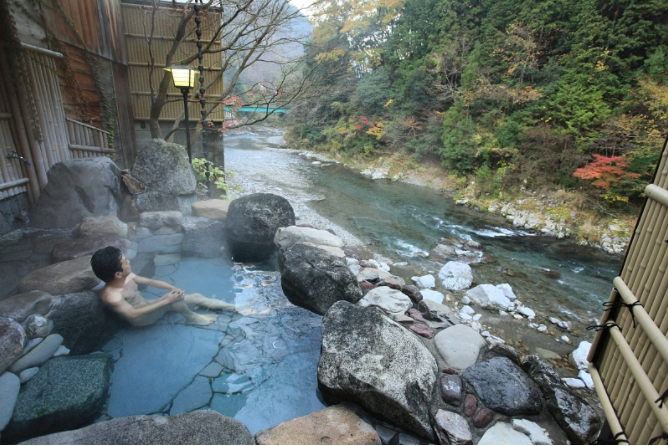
(108, 262)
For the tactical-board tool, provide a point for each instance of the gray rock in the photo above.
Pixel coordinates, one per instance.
(168, 176)
(432, 295)
(36, 326)
(31, 344)
(413, 292)
(62, 351)
(9, 389)
(405, 439)
(314, 279)
(102, 226)
(372, 361)
(451, 390)
(452, 428)
(290, 235)
(20, 306)
(456, 276)
(504, 387)
(67, 393)
(71, 249)
(434, 311)
(164, 244)
(426, 281)
(196, 395)
(77, 188)
(200, 427)
(575, 417)
(214, 209)
(459, 346)
(158, 219)
(537, 434)
(72, 276)
(489, 296)
(203, 237)
(252, 222)
(12, 338)
(28, 373)
(385, 433)
(38, 355)
(391, 300)
(507, 351)
(503, 433)
(372, 275)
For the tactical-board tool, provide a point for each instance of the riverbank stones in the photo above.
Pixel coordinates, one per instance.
(200, 427)
(456, 276)
(252, 222)
(72, 276)
(426, 281)
(9, 389)
(503, 433)
(504, 387)
(295, 234)
(489, 296)
(314, 279)
(38, 355)
(451, 389)
(459, 346)
(66, 393)
(375, 363)
(12, 339)
(452, 428)
(333, 425)
(391, 300)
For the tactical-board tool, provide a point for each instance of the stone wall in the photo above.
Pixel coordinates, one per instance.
(12, 212)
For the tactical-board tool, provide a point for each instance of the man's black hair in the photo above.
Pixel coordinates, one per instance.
(106, 262)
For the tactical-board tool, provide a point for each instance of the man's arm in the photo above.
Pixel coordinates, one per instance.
(128, 312)
(154, 283)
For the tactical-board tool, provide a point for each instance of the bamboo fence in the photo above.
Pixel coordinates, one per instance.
(629, 356)
(87, 141)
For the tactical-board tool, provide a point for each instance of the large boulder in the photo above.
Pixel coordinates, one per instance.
(314, 279)
(203, 237)
(12, 338)
(71, 249)
(106, 225)
(168, 176)
(68, 392)
(296, 234)
(456, 276)
(504, 387)
(575, 417)
(375, 363)
(20, 306)
(200, 427)
(72, 276)
(77, 188)
(332, 425)
(252, 222)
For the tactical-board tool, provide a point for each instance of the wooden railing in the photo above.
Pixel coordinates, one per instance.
(87, 141)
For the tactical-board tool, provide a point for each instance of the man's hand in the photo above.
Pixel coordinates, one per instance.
(174, 296)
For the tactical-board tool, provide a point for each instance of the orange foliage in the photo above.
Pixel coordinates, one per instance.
(605, 170)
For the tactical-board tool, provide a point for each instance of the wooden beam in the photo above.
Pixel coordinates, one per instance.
(11, 184)
(91, 149)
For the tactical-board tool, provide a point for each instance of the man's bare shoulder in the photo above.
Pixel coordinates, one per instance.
(111, 295)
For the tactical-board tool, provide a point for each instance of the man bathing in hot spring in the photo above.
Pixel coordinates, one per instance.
(121, 293)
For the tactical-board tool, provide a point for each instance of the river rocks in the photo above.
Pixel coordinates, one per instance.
(459, 346)
(25, 375)
(36, 326)
(71, 249)
(203, 237)
(20, 306)
(252, 222)
(578, 357)
(314, 279)
(200, 427)
(38, 355)
(156, 220)
(503, 433)
(456, 276)
(168, 176)
(483, 418)
(427, 281)
(333, 425)
(537, 434)
(580, 422)
(82, 321)
(214, 209)
(72, 276)
(489, 296)
(452, 428)
(9, 389)
(412, 292)
(294, 234)
(422, 330)
(66, 393)
(451, 389)
(470, 405)
(432, 295)
(107, 225)
(435, 311)
(389, 299)
(77, 188)
(12, 338)
(504, 387)
(374, 362)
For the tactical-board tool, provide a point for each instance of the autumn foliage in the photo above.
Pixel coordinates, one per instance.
(606, 170)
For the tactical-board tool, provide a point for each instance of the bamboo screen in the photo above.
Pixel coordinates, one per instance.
(137, 20)
(12, 181)
(628, 360)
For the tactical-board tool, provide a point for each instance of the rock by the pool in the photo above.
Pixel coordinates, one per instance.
(72, 276)
(77, 188)
(504, 387)
(168, 176)
(575, 417)
(456, 276)
(375, 363)
(203, 237)
(71, 249)
(314, 279)
(157, 219)
(290, 235)
(459, 346)
(12, 339)
(36, 326)
(503, 433)
(102, 226)
(332, 425)
(452, 428)
(9, 389)
(164, 244)
(38, 355)
(68, 392)
(214, 209)
(200, 427)
(252, 222)
(489, 296)
(391, 300)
